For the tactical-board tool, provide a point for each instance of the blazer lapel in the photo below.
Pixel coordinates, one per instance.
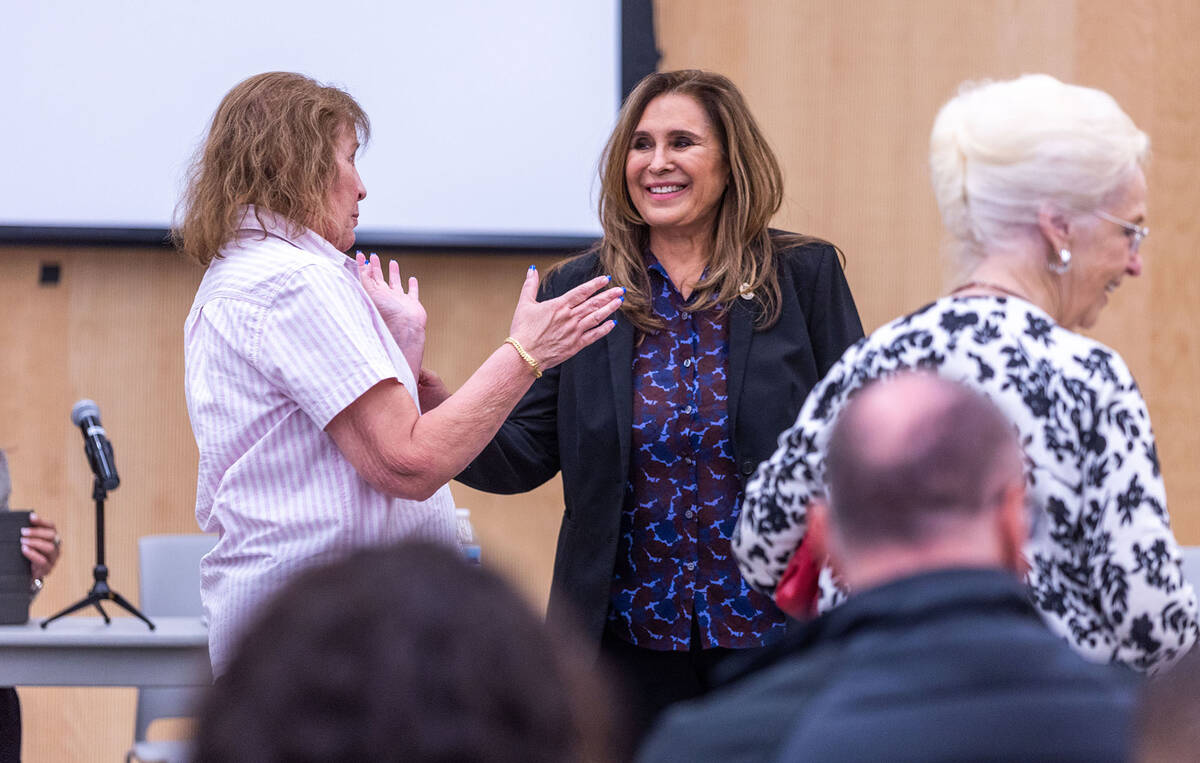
(620, 364)
(741, 328)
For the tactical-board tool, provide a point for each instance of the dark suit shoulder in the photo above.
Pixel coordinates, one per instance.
(802, 254)
(571, 273)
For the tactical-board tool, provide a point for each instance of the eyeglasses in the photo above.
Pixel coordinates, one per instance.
(1139, 231)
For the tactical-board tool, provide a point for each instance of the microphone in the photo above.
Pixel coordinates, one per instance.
(86, 415)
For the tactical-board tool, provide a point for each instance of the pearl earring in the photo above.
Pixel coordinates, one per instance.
(1064, 263)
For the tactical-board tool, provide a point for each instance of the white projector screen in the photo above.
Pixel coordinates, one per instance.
(488, 118)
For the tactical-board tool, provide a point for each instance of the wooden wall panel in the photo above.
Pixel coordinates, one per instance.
(110, 330)
(1159, 333)
(846, 93)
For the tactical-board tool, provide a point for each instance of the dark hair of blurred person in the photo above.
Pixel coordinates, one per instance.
(402, 653)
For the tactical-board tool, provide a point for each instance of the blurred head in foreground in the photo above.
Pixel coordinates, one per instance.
(923, 473)
(402, 653)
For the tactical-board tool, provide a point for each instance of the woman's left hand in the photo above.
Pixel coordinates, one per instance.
(554, 330)
(40, 544)
(402, 312)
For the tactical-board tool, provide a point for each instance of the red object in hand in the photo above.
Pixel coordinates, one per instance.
(798, 588)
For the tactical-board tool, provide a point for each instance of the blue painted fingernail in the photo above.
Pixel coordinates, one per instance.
(622, 297)
(609, 278)
(533, 267)
(614, 320)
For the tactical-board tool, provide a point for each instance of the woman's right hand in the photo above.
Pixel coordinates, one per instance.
(402, 313)
(556, 329)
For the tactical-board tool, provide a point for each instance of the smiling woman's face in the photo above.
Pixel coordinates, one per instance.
(341, 211)
(1103, 255)
(675, 168)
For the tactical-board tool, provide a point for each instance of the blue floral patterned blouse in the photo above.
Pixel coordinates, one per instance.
(674, 562)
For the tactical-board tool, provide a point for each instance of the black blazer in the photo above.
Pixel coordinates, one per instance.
(578, 416)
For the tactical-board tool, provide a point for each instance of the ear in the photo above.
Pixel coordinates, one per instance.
(1054, 225)
(1013, 526)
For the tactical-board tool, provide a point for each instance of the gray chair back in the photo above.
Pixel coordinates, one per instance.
(169, 571)
(1191, 565)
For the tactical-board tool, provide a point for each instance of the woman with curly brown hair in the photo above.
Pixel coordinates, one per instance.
(725, 327)
(302, 365)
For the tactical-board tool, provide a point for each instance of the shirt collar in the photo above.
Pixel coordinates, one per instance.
(262, 220)
(652, 264)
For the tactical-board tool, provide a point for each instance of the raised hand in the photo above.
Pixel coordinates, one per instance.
(556, 329)
(402, 312)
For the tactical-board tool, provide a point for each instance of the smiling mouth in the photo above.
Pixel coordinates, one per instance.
(663, 189)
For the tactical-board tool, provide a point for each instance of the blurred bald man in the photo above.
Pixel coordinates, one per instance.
(938, 653)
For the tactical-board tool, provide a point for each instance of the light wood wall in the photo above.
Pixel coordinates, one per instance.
(846, 92)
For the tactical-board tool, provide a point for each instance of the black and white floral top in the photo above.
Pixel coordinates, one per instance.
(1104, 565)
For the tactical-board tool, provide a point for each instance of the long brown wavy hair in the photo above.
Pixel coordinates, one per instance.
(742, 255)
(271, 144)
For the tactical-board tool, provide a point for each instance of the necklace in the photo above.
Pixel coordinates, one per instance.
(991, 286)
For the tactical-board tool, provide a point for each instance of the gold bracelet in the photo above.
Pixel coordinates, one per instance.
(537, 370)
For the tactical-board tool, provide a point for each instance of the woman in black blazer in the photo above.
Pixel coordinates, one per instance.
(725, 328)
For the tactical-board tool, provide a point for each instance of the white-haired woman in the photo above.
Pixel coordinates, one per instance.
(1041, 187)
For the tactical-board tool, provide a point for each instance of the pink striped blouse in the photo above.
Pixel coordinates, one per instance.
(280, 339)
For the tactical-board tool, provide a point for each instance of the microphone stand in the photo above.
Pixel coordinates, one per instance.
(100, 590)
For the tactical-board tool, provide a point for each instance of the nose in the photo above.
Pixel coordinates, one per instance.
(1134, 266)
(362, 189)
(659, 162)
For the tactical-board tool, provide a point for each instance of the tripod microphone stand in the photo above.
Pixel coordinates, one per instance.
(100, 590)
